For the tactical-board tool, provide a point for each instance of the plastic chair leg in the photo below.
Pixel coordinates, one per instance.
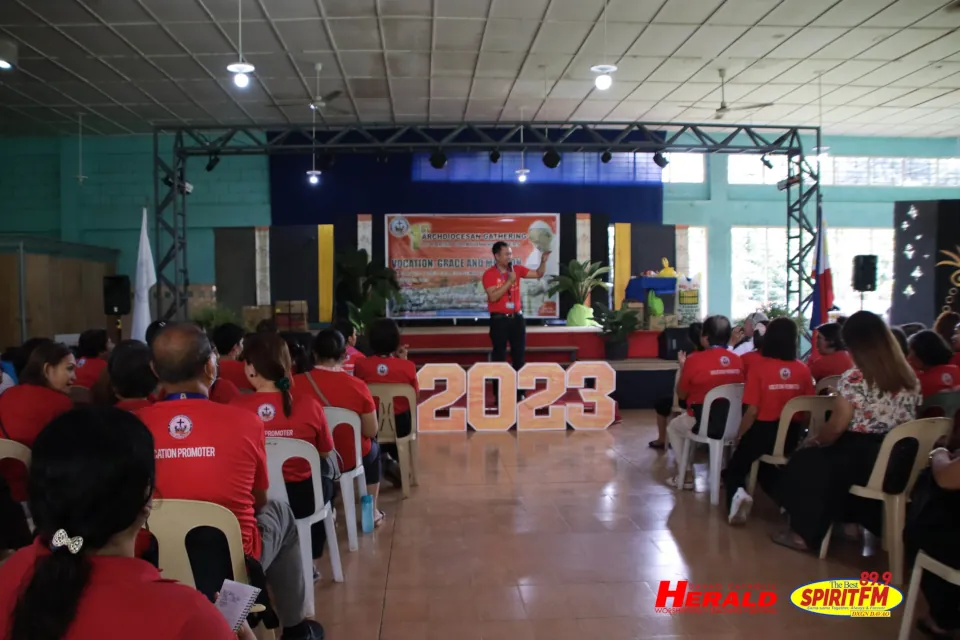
(716, 465)
(333, 548)
(682, 463)
(415, 462)
(349, 511)
(752, 480)
(897, 508)
(825, 545)
(361, 484)
(406, 465)
(306, 560)
(909, 608)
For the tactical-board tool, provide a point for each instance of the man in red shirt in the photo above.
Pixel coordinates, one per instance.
(701, 372)
(501, 282)
(93, 347)
(216, 453)
(930, 356)
(228, 339)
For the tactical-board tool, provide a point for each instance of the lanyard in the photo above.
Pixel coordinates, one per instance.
(186, 396)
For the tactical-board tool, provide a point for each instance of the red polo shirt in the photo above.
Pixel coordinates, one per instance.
(831, 364)
(936, 379)
(748, 360)
(88, 371)
(509, 302)
(233, 371)
(772, 383)
(306, 422)
(346, 392)
(222, 392)
(705, 370)
(24, 411)
(353, 356)
(124, 597)
(210, 452)
(379, 370)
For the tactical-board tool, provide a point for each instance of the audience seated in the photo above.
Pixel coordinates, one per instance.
(772, 381)
(879, 394)
(946, 325)
(700, 373)
(664, 406)
(93, 347)
(349, 333)
(130, 375)
(751, 357)
(742, 339)
(901, 337)
(301, 351)
(933, 526)
(911, 328)
(215, 453)
(389, 365)
(267, 362)
(930, 358)
(832, 358)
(26, 408)
(337, 388)
(91, 484)
(228, 339)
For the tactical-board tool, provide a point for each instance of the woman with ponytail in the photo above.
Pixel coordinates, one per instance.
(91, 487)
(267, 365)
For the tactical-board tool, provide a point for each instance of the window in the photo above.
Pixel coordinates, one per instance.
(759, 270)
(948, 172)
(851, 171)
(826, 169)
(919, 172)
(684, 167)
(843, 243)
(886, 172)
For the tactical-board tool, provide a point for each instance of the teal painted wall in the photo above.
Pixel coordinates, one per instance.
(40, 194)
(718, 206)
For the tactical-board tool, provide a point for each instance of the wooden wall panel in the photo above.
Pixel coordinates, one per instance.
(10, 295)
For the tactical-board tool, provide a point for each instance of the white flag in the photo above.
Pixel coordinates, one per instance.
(146, 278)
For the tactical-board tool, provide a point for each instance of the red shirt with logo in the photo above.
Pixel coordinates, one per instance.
(510, 301)
(233, 371)
(133, 405)
(747, 360)
(306, 422)
(353, 356)
(705, 370)
(222, 392)
(210, 452)
(945, 377)
(831, 364)
(122, 594)
(346, 392)
(24, 411)
(88, 371)
(772, 383)
(380, 370)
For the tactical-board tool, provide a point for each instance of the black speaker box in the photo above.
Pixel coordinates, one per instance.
(673, 340)
(116, 295)
(865, 273)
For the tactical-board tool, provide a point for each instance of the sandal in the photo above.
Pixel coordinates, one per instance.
(788, 539)
(656, 444)
(379, 519)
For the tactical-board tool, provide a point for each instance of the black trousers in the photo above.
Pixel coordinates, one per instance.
(933, 526)
(510, 330)
(404, 427)
(757, 441)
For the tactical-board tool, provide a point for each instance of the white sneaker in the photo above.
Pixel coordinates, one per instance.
(688, 484)
(740, 507)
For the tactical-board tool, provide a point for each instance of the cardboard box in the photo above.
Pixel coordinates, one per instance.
(252, 316)
(659, 323)
(292, 307)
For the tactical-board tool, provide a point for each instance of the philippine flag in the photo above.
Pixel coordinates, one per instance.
(823, 280)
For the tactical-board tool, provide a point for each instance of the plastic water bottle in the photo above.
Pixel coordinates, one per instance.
(366, 513)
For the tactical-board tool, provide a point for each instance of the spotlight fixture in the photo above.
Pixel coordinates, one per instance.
(606, 157)
(522, 175)
(241, 69)
(603, 81)
(551, 159)
(766, 161)
(494, 156)
(8, 54)
(660, 160)
(213, 161)
(313, 176)
(438, 159)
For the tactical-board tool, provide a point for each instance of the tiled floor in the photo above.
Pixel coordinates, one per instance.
(556, 536)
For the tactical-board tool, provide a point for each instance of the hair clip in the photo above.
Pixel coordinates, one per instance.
(61, 539)
(283, 384)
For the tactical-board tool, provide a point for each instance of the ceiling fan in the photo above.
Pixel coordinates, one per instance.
(724, 108)
(318, 102)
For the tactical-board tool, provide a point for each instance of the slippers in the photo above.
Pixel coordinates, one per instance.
(653, 444)
(379, 519)
(787, 539)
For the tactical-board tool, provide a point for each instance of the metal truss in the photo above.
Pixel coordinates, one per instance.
(802, 188)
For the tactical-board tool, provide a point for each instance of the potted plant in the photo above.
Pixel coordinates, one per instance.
(579, 279)
(212, 316)
(363, 288)
(616, 326)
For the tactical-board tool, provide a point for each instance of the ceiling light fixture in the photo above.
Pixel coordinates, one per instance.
(313, 175)
(603, 80)
(522, 171)
(8, 54)
(241, 69)
(822, 149)
(660, 160)
(766, 161)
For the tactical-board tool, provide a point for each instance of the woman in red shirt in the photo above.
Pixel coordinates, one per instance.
(40, 397)
(353, 355)
(267, 363)
(93, 347)
(930, 357)
(389, 365)
(337, 388)
(774, 380)
(834, 359)
(93, 480)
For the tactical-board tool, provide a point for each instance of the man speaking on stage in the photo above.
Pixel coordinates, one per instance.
(501, 282)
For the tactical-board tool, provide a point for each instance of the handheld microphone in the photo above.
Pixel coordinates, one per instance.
(509, 266)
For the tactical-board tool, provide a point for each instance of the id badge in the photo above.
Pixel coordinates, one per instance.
(510, 305)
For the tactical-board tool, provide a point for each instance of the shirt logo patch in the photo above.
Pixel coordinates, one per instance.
(724, 361)
(785, 373)
(947, 379)
(267, 412)
(81, 362)
(382, 369)
(180, 427)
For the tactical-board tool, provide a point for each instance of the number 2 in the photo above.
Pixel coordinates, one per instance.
(456, 379)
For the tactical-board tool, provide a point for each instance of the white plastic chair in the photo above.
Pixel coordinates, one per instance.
(926, 432)
(829, 383)
(734, 394)
(948, 401)
(407, 447)
(817, 406)
(923, 563)
(279, 450)
(335, 417)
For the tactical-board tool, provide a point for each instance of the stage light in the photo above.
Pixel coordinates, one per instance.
(606, 157)
(213, 162)
(242, 80)
(438, 159)
(766, 162)
(313, 176)
(522, 175)
(604, 80)
(660, 160)
(494, 156)
(8, 54)
(551, 159)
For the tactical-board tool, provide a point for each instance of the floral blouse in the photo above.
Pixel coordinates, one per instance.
(876, 411)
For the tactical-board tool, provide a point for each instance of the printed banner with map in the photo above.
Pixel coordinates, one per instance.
(439, 260)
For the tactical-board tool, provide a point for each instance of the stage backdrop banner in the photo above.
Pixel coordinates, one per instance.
(440, 259)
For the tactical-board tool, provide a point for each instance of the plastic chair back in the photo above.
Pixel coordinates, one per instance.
(828, 384)
(926, 432)
(386, 393)
(733, 393)
(816, 406)
(279, 450)
(336, 417)
(15, 450)
(949, 401)
(172, 520)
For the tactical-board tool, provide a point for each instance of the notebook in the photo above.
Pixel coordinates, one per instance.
(235, 602)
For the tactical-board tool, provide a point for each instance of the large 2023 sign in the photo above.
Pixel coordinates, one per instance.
(523, 413)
